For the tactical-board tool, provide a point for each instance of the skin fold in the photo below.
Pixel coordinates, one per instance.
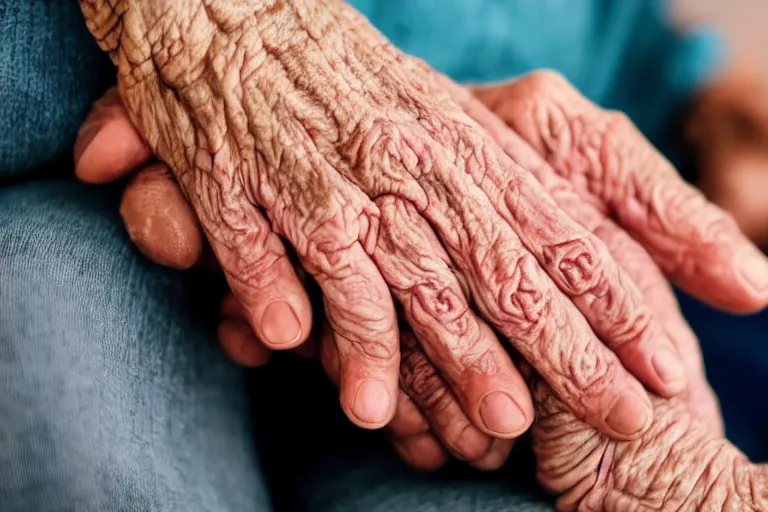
(678, 464)
(298, 119)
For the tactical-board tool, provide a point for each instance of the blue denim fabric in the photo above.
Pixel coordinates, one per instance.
(113, 394)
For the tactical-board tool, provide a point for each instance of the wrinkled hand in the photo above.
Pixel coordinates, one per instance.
(510, 109)
(428, 424)
(364, 162)
(677, 465)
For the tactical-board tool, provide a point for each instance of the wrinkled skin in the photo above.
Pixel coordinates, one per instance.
(678, 464)
(163, 225)
(681, 463)
(192, 103)
(365, 163)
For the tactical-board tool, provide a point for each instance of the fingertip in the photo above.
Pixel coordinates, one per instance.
(670, 371)
(752, 266)
(502, 416)
(735, 281)
(629, 416)
(108, 148)
(496, 456)
(277, 307)
(159, 220)
(371, 405)
(239, 343)
(280, 327)
(422, 452)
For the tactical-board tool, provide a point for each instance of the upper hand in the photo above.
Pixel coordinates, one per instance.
(439, 181)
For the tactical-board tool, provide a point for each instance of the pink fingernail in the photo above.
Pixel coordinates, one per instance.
(280, 325)
(372, 402)
(630, 415)
(501, 414)
(85, 136)
(754, 269)
(670, 369)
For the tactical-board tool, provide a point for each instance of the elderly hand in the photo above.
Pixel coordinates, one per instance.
(361, 158)
(678, 464)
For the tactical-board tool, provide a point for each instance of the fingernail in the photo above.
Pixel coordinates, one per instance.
(280, 325)
(629, 415)
(85, 136)
(670, 369)
(372, 402)
(501, 414)
(754, 269)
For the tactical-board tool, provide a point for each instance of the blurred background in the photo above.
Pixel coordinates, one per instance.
(742, 21)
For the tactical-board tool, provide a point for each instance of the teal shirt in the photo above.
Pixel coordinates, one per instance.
(622, 54)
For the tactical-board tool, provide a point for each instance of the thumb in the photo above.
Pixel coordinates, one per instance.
(108, 146)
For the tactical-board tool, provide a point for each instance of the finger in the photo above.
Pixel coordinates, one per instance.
(695, 243)
(465, 350)
(362, 323)
(421, 451)
(497, 455)
(233, 310)
(582, 266)
(629, 255)
(239, 343)
(431, 395)
(159, 219)
(363, 326)
(260, 276)
(509, 286)
(410, 435)
(408, 431)
(699, 396)
(335, 251)
(108, 146)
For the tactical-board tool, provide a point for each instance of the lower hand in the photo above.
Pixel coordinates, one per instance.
(679, 464)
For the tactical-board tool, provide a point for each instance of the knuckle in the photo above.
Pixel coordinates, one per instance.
(328, 238)
(440, 302)
(545, 80)
(378, 143)
(374, 349)
(578, 264)
(522, 305)
(619, 121)
(482, 362)
(631, 328)
(257, 263)
(589, 373)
